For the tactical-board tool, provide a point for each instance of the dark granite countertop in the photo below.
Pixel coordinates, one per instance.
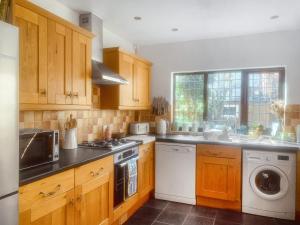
(68, 159)
(73, 158)
(245, 144)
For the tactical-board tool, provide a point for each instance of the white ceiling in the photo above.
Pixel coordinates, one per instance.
(195, 19)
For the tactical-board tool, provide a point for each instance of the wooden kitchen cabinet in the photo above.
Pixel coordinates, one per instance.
(146, 169)
(55, 60)
(137, 71)
(94, 193)
(33, 55)
(48, 201)
(142, 83)
(82, 70)
(59, 63)
(218, 176)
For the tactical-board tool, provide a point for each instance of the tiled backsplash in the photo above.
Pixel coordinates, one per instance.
(292, 117)
(90, 123)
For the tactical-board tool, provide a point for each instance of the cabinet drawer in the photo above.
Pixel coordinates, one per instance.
(47, 188)
(219, 151)
(93, 170)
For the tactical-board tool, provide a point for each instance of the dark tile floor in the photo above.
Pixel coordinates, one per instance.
(158, 212)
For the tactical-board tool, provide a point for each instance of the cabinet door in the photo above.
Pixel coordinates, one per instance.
(126, 70)
(218, 178)
(94, 199)
(33, 56)
(51, 210)
(82, 70)
(141, 84)
(146, 169)
(59, 63)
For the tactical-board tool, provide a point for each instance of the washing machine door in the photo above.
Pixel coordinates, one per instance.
(269, 182)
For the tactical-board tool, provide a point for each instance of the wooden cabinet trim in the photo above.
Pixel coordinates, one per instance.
(32, 7)
(118, 49)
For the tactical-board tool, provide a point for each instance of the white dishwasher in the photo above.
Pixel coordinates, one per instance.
(175, 168)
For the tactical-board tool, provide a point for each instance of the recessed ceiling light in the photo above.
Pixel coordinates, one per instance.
(137, 18)
(274, 17)
(174, 29)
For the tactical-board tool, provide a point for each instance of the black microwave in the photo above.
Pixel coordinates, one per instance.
(38, 147)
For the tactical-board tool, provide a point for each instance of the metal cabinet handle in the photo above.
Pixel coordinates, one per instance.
(69, 94)
(100, 170)
(212, 153)
(51, 193)
(72, 202)
(75, 94)
(93, 174)
(43, 92)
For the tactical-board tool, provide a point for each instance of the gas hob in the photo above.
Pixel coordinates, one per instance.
(113, 144)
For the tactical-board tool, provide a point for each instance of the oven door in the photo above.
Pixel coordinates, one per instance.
(36, 149)
(119, 184)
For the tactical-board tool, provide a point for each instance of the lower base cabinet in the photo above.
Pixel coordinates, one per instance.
(81, 196)
(94, 193)
(218, 176)
(84, 195)
(49, 201)
(146, 169)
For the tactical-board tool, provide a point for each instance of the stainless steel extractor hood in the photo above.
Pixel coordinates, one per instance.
(102, 75)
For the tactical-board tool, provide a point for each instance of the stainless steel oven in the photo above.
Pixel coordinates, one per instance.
(38, 147)
(125, 179)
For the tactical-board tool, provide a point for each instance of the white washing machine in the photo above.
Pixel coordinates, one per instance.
(269, 183)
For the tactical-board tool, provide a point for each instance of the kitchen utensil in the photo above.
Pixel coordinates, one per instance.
(70, 139)
(107, 132)
(70, 136)
(161, 127)
(160, 106)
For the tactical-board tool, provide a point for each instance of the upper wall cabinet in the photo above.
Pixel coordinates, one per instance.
(33, 56)
(82, 69)
(59, 63)
(137, 71)
(55, 60)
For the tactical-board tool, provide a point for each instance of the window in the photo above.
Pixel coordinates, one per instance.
(188, 98)
(231, 97)
(224, 96)
(263, 88)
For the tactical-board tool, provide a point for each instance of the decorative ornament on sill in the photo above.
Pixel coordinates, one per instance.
(160, 106)
(278, 109)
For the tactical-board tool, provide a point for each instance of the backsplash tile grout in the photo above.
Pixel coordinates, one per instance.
(90, 123)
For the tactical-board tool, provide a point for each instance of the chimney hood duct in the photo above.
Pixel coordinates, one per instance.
(102, 75)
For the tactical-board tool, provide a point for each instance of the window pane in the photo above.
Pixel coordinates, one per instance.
(263, 88)
(224, 97)
(188, 98)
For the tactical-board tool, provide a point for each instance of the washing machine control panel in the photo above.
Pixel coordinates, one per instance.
(283, 157)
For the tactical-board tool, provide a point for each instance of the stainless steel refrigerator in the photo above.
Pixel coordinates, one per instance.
(9, 124)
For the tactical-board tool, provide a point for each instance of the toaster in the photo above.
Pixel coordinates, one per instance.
(139, 128)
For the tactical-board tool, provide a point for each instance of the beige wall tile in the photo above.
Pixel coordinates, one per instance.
(28, 117)
(89, 123)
